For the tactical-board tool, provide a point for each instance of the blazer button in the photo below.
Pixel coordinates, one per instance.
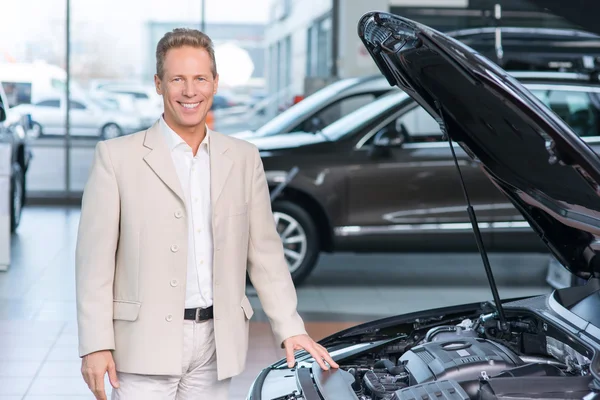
(174, 248)
(169, 318)
(174, 282)
(178, 214)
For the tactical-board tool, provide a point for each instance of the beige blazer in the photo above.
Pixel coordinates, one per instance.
(131, 256)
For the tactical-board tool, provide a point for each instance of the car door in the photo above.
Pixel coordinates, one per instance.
(84, 119)
(403, 180)
(49, 116)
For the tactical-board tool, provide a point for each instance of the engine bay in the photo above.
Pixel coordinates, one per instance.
(472, 359)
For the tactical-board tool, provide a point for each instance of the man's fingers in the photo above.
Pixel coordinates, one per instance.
(98, 388)
(317, 356)
(87, 376)
(112, 375)
(327, 357)
(289, 353)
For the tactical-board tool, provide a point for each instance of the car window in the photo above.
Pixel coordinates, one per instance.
(335, 111)
(75, 105)
(364, 116)
(49, 103)
(576, 108)
(306, 106)
(416, 125)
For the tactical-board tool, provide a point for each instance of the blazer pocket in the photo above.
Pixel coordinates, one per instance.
(126, 310)
(247, 307)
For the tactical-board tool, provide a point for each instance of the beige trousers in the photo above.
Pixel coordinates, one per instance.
(199, 372)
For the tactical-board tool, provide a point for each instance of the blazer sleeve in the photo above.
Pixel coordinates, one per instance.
(95, 255)
(267, 267)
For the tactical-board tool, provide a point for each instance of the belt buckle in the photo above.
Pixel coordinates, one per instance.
(197, 319)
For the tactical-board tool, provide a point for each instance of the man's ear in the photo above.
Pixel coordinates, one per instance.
(216, 88)
(158, 84)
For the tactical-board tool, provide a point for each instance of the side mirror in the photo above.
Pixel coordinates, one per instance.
(387, 137)
(2, 113)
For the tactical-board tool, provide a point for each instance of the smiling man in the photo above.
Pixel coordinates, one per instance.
(172, 219)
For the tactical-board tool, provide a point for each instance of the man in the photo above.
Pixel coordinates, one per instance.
(171, 220)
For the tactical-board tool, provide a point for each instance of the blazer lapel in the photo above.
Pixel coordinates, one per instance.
(159, 159)
(220, 164)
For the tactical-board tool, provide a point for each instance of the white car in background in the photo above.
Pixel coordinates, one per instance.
(146, 102)
(88, 118)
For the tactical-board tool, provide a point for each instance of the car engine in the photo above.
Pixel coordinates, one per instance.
(465, 362)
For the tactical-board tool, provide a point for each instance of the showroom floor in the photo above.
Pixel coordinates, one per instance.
(38, 342)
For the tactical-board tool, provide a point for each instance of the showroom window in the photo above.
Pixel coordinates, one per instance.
(319, 48)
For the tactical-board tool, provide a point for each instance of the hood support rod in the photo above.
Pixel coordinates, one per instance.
(473, 219)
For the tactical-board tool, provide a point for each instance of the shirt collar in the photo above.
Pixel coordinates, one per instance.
(174, 140)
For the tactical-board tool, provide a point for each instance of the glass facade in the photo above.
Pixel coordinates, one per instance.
(319, 47)
(111, 60)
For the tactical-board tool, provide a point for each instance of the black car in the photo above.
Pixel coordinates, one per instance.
(13, 130)
(531, 348)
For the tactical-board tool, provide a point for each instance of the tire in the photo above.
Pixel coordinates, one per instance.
(111, 131)
(303, 252)
(17, 193)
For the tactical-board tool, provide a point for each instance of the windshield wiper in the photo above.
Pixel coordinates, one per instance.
(473, 218)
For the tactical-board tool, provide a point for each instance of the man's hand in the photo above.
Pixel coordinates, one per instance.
(93, 368)
(304, 342)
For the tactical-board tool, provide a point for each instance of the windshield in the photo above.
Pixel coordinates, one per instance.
(364, 115)
(105, 104)
(297, 111)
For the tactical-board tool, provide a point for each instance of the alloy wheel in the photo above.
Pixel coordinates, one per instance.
(111, 131)
(294, 239)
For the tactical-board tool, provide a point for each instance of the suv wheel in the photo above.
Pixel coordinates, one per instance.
(17, 194)
(299, 236)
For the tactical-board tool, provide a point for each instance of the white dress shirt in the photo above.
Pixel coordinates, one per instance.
(194, 175)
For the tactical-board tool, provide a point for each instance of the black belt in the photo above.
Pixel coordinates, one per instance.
(198, 314)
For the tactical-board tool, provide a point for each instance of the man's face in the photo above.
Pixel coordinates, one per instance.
(187, 87)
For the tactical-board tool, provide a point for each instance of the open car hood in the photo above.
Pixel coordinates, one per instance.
(550, 175)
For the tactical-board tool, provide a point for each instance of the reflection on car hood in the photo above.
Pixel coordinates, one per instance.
(529, 153)
(284, 140)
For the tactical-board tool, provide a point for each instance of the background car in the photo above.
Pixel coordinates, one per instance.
(91, 118)
(323, 107)
(371, 181)
(13, 130)
(533, 49)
